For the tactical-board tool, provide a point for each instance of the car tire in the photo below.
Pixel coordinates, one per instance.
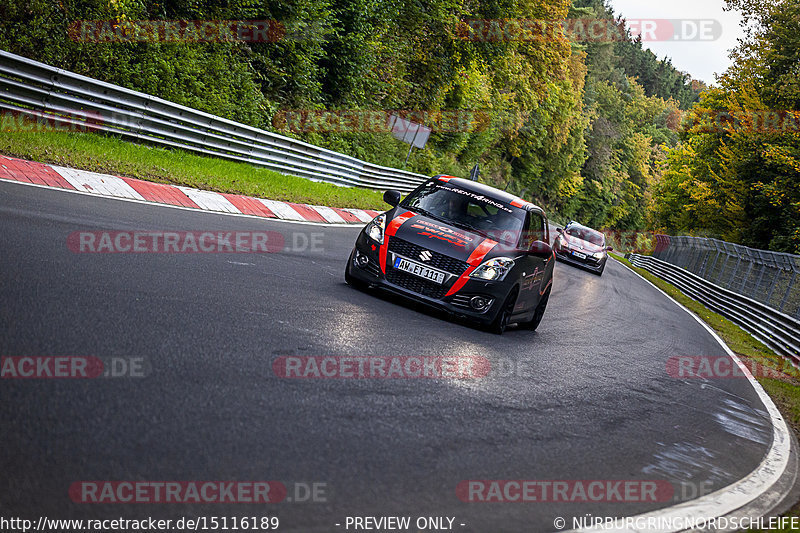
(533, 323)
(500, 323)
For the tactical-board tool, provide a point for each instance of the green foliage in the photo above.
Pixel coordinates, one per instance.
(739, 179)
(579, 128)
(216, 78)
(628, 133)
(609, 154)
(626, 58)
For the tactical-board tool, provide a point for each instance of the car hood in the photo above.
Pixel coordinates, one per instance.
(437, 236)
(575, 242)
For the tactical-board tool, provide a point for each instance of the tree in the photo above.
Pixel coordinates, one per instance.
(737, 173)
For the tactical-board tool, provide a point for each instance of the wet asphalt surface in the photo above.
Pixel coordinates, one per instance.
(586, 397)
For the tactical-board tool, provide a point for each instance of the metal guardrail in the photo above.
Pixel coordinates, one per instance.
(772, 278)
(776, 330)
(65, 98)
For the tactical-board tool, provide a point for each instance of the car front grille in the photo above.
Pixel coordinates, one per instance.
(590, 260)
(416, 284)
(437, 260)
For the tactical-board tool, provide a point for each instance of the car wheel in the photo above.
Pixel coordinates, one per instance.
(500, 322)
(539, 313)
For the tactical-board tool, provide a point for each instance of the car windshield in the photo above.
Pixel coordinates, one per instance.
(586, 234)
(491, 217)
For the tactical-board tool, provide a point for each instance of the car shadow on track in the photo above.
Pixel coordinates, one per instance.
(432, 312)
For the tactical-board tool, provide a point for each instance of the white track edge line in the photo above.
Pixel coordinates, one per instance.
(736, 495)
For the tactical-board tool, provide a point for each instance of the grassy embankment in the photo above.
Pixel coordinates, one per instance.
(109, 155)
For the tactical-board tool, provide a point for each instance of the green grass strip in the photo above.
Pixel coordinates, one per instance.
(110, 155)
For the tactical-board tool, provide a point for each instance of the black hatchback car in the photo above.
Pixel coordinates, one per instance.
(469, 249)
(582, 246)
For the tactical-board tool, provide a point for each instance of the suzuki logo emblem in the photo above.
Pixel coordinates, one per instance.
(425, 255)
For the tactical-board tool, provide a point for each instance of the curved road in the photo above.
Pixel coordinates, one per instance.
(586, 397)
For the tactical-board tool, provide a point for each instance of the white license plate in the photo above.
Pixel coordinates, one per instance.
(419, 270)
(579, 255)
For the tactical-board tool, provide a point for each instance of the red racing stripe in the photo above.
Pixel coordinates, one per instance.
(391, 231)
(474, 260)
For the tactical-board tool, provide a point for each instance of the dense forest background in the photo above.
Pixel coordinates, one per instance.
(600, 131)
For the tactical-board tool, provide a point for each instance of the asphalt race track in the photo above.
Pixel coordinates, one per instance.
(587, 397)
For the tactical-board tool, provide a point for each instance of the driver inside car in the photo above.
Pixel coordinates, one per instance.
(452, 209)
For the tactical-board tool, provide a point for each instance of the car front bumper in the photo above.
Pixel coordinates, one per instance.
(427, 293)
(589, 263)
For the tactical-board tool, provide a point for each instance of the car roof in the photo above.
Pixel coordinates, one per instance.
(574, 224)
(488, 190)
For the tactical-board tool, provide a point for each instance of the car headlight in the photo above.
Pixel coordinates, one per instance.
(597, 255)
(493, 269)
(375, 228)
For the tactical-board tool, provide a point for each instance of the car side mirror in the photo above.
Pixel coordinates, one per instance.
(392, 197)
(540, 249)
(609, 248)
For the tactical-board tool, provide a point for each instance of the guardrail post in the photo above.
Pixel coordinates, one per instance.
(686, 256)
(706, 254)
(758, 282)
(704, 251)
(716, 258)
(747, 275)
(725, 260)
(735, 269)
(788, 290)
(702, 270)
(693, 251)
(772, 285)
